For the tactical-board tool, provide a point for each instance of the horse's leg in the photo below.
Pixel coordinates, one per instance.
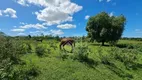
(61, 45)
(71, 45)
(74, 43)
(64, 45)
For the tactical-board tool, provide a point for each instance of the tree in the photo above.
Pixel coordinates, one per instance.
(57, 37)
(29, 36)
(104, 28)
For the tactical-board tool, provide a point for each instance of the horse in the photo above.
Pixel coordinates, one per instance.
(66, 41)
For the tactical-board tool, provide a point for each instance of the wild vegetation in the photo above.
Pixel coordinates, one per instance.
(29, 59)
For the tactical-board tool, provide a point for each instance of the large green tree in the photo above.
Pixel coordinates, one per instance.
(105, 28)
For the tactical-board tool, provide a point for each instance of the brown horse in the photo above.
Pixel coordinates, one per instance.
(66, 41)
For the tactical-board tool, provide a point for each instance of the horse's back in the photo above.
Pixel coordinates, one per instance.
(66, 39)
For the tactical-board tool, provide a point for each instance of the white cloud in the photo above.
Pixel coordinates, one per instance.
(0, 29)
(55, 11)
(14, 26)
(138, 30)
(87, 17)
(111, 14)
(23, 23)
(53, 16)
(66, 26)
(22, 2)
(21, 34)
(11, 12)
(33, 32)
(100, 0)
(8, 12)
(36, 26)
(18, 30)
(38, 32)
(56, 32)
(35, 2)
(0, 13)
(108, 0)
(104, 0)
(51, 32)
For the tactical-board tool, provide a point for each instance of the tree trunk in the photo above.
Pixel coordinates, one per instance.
(103, 43)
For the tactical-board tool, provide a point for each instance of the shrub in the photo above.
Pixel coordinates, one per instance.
(52, 45)
(29, 48)
(129, 57)
(63, 55)
(82, 54)
(40, 50)
(10, 53)
(26, 72)
(117, 54)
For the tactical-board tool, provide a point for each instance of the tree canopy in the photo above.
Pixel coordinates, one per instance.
(105, 28)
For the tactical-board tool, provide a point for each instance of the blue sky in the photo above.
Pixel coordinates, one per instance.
(65, 17)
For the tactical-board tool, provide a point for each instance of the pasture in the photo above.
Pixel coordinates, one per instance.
(89, 61)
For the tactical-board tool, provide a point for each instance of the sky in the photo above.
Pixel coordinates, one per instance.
(65, 17)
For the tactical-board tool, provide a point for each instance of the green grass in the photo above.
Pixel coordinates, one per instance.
(109, 62)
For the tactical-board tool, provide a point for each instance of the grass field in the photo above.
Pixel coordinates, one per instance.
(89, 61)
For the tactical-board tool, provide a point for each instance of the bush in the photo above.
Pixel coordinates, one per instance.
(82, 54)
(40, 50)
(53, 45)
(63, 55)
(26, 72)
(114, 55)
(10, 53)
(128, 57)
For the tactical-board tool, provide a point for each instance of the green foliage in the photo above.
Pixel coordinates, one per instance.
(53, 45)
(87, 61)
(109, 60)
(10, 53)
(25, 48)
(26, 72)
(128, 57)
(63, 55)
(11, 50)
(57, 38)
(29, 36)
(10, 56)
(105, 28)
(40, 50)
(82, 54)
